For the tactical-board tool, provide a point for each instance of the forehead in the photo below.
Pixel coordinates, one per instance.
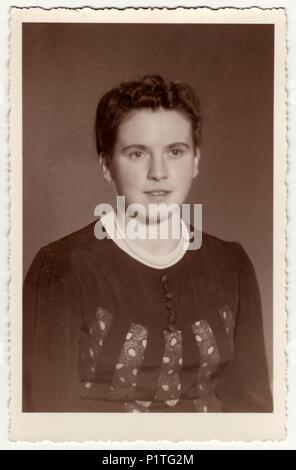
(160, 126)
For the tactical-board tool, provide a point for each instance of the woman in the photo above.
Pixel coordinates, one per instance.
(119, 324)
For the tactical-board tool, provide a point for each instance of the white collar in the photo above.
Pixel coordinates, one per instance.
(112, 226)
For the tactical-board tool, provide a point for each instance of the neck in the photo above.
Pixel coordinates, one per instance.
(157, 246)
(159, 238)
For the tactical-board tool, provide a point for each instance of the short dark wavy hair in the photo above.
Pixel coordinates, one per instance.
(150, 92)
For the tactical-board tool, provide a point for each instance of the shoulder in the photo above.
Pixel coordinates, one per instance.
(216, 247)
(56, 259)
(66, 255)
(69, 243)
(222, 255)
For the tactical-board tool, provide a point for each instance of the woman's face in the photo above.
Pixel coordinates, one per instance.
(154, 160)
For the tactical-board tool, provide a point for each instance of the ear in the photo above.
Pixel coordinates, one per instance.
(105, 168)
(196, 162)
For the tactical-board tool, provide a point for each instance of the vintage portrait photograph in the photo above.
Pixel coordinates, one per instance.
(150, 200)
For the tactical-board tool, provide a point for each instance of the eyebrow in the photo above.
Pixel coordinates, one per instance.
(139, 146)
(145, 147)
(175, 144)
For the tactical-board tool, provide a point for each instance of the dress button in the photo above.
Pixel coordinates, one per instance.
(169, 305)
(171, 328)
(168, 295)
(164, 278)
(172, 319)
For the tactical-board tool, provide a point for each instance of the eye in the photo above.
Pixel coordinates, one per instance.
(176, 152)
(136, 154)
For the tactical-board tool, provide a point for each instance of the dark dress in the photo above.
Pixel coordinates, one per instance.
(104, 332)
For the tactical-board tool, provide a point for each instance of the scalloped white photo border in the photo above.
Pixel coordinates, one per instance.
(81, 427)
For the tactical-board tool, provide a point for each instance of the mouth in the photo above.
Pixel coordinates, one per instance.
(158, 192)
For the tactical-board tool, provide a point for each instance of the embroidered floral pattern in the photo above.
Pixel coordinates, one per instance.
(124, 380)
(130, 359)
(169, 385)
(137, 406)
(91, 344)
(209, 357)
(208, 404)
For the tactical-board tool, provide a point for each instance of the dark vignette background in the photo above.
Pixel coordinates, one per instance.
(67, 67)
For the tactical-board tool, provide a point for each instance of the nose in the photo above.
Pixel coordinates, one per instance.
(158, 169)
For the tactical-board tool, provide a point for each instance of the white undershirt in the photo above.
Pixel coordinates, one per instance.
(110, 222)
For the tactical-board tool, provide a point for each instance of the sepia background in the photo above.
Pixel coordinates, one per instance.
(67, 67)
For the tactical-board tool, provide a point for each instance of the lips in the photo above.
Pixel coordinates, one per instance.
(157, 192)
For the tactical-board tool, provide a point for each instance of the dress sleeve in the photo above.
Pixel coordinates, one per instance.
(245, 387)
(50, 333)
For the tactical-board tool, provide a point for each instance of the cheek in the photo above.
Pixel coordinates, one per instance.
(184, 173)
(127, 178)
